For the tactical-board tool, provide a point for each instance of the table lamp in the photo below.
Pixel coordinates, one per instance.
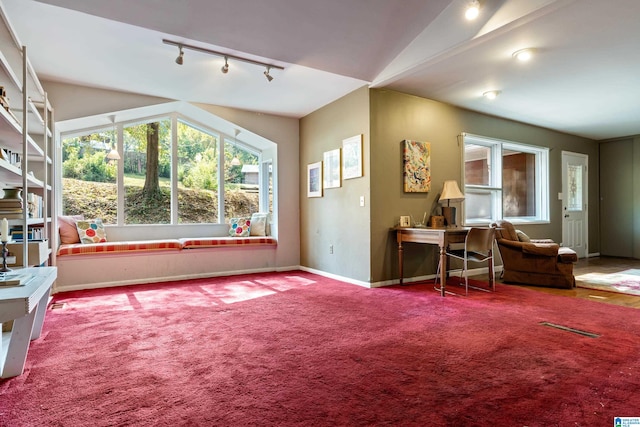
(450, 193)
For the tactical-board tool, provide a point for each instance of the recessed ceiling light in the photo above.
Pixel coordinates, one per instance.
(492, 94)
(523, 54)
(473, 10)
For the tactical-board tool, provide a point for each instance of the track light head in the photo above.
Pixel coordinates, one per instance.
(267, 75)
(225, 67)
(180, 58)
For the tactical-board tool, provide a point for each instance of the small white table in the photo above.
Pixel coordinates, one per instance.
(26, 306)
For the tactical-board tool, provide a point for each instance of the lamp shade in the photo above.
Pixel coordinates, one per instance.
(451, 192)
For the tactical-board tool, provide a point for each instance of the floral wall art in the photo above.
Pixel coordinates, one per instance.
(417, 166)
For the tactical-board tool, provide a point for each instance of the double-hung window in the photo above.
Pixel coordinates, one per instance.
(505, 180)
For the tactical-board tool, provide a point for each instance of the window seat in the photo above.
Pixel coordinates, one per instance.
(101, 265)
(118, 247)
(160, 245)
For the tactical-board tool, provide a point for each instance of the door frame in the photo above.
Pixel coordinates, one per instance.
(585, 191)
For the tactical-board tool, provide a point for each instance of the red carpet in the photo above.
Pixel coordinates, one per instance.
(295, 349)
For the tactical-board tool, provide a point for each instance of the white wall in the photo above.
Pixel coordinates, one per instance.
(73, 102)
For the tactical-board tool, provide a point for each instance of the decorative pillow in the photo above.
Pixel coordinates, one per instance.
(259, 224)
(91, 231)
(240, 227)
(522, 237)
(67, 228)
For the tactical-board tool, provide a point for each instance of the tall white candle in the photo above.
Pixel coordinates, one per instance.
(4, 231)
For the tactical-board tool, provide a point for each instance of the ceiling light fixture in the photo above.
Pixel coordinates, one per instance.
(523, 55)
(180, 58)
(492, 94)
(473, 10)
(225, 67)
(226, 57)
(267, 75)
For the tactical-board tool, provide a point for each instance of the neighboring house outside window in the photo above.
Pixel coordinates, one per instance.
(505, 180)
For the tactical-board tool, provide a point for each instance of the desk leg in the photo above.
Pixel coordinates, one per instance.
(400, 261)
(443, 269)
(18, 345)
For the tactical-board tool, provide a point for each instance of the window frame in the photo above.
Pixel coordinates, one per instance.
(174, 118)
(498, 147)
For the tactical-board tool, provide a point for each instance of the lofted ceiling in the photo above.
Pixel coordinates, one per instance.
(582, 80)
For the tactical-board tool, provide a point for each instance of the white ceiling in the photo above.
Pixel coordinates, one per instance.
(583, 79)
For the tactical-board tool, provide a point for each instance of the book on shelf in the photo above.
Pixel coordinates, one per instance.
(34, 233)
(12, 215)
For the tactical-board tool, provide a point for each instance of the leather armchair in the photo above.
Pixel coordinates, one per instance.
(540, 262)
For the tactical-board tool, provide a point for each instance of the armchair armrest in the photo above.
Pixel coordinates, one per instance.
(543, 249)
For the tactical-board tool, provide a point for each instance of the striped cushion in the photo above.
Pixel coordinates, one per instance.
(212, 242)
(119, 247)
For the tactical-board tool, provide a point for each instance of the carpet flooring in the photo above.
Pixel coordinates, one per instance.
(297, 349)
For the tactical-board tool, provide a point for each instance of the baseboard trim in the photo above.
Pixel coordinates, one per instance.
(177, 278)
(335, 277)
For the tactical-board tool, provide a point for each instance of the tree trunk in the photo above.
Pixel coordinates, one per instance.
(151, 189)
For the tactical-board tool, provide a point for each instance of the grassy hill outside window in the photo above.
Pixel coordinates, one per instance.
(157, 180)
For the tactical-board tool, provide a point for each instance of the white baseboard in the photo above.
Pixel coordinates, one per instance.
(177, 278)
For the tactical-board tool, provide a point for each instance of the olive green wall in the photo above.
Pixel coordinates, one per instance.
(620, 197)
(364, 246)
(396, 117)
(336, 218)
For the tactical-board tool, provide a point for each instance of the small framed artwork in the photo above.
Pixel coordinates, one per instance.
(352, 157)
(314, 179)
(416, 157)
(331, 169)
(405, 221)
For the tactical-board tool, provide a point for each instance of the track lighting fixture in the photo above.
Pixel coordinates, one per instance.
(180, 58)
(267, 75)
(226, 56)
(473, 10)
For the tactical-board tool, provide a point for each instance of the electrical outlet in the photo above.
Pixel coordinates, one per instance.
(330, 249)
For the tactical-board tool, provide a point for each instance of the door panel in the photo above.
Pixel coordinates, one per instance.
(574, 202)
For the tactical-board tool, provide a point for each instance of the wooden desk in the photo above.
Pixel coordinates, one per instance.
(26, 306)
(431, 236)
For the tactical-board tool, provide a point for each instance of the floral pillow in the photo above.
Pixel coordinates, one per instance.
(240, 227)
(91, 231)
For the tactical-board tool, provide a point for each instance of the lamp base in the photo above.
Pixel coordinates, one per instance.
(449, 213)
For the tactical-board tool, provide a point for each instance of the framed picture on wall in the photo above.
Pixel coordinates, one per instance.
(416, 157)
(314, 179)
(331, 169)
(352, 157)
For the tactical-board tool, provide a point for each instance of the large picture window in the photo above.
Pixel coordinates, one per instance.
(505, 180)
(168, 172)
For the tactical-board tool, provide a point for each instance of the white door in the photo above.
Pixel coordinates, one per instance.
(574, 202)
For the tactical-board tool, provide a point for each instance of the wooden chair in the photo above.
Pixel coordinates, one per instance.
(478, 248)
